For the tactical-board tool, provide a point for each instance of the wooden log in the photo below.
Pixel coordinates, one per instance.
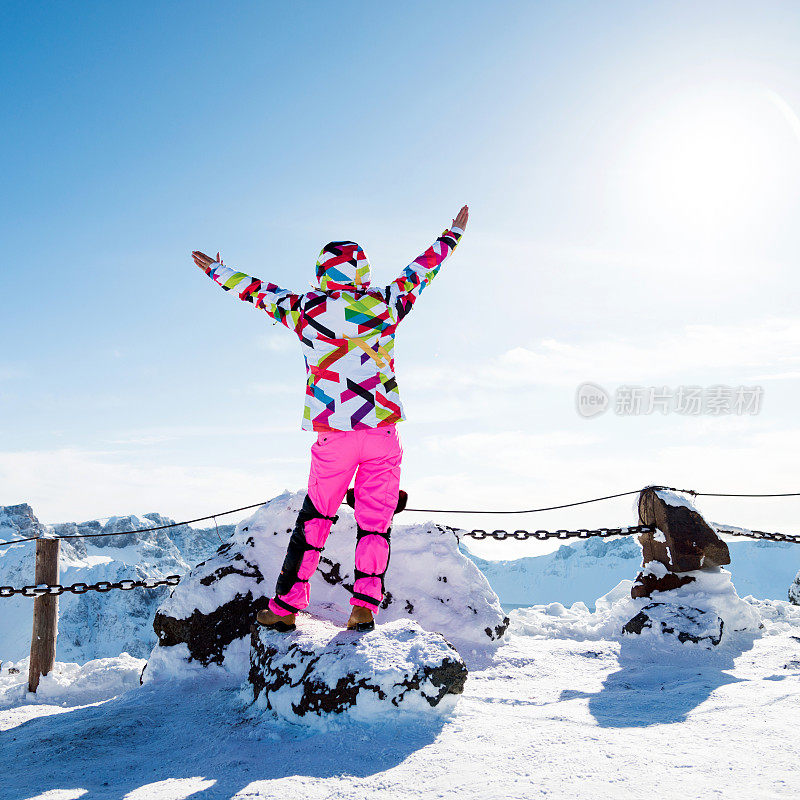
(683, 542)
(45, 614)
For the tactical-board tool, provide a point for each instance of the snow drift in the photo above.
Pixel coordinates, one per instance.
(70, 684)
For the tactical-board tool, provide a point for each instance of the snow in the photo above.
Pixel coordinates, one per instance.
(166, 664)
(566, 707)
(96, 626)
(711, 591)
(675, 499)
(70, 684)
(557, 713)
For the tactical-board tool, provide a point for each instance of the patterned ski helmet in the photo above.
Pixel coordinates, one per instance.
(343, 265)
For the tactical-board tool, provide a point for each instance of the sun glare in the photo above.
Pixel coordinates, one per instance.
(710, 165)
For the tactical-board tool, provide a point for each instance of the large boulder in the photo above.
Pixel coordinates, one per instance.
(794, 591)
(682, 540)
(207, 618)
(321, 669)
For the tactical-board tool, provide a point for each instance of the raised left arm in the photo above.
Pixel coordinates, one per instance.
(280, 304)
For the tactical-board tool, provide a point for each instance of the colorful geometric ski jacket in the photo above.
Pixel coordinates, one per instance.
(346, 330)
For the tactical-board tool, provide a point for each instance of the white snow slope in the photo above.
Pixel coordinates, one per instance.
(568, 709)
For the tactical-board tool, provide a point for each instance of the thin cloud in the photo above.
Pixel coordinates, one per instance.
(759, 345)
(149, 436)
(277, 344)
(72, 484)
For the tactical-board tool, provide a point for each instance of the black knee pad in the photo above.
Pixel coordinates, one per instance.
(298, 545)
(382, 575)
(402, 499)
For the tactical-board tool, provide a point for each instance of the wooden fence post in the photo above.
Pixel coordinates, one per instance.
(45, 614)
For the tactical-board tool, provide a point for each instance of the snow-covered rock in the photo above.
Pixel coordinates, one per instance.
(686, 624)
(95, 625)
(429, 581)
(321, 669)
(712, 592)
(680, 542)
(794, 591)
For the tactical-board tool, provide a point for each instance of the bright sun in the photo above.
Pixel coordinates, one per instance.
(707, 164)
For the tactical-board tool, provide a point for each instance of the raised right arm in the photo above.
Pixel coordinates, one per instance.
(402, 293)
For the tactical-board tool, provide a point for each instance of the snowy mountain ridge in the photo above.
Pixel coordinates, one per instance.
(95, 625)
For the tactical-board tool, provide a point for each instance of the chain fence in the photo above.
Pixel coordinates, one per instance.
(770, 537)
(82, 588)
(475, 533)
(581, 533)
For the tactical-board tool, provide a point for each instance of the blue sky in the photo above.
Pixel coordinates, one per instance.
(632, 173)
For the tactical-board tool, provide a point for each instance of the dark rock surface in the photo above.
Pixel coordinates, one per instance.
(207, 633)
(685, 623)
(684, 541)
(321, 669)
(646, 583)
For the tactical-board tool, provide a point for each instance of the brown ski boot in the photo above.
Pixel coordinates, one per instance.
(274, 622)
(361, 620)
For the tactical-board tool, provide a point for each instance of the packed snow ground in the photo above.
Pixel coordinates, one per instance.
(568, 709)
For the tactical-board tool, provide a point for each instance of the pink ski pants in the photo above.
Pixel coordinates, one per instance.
(374, 456)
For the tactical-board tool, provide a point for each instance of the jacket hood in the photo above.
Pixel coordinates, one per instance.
(343, 265)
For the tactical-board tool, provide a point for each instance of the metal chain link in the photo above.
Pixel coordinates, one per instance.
(581, 533)
(82, 588)
(476, 533)
(772, 537)
(173, 580)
